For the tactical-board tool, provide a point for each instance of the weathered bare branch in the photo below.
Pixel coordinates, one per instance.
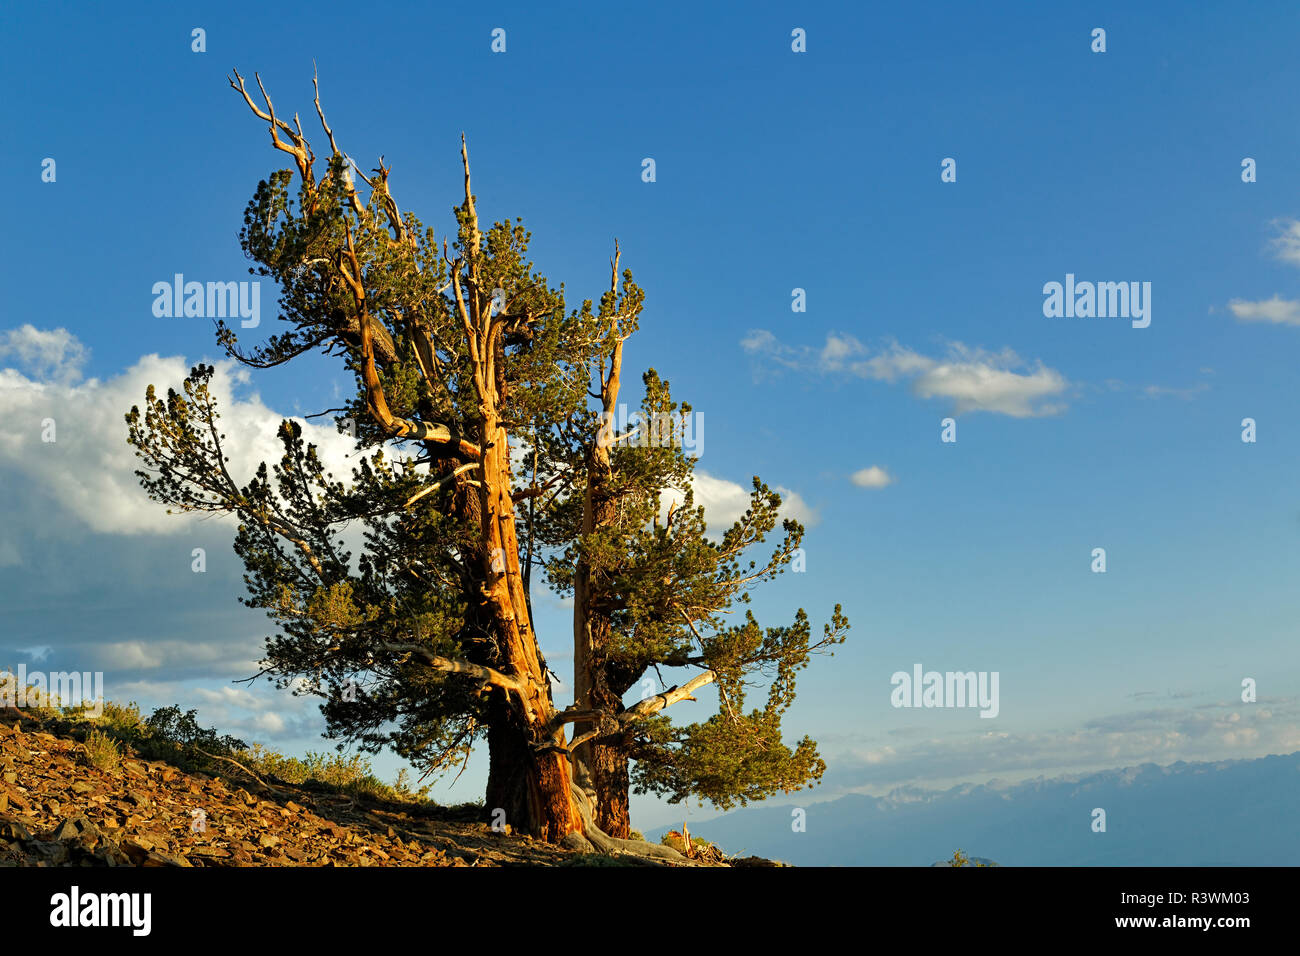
(639, 711)
(299, 149)
(438, 484)
(482, 673)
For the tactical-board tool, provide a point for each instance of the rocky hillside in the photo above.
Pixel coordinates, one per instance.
(57, 809)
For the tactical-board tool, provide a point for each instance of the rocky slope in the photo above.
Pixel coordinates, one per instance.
(58, 810)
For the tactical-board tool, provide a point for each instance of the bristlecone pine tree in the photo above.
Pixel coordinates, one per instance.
(425, 642)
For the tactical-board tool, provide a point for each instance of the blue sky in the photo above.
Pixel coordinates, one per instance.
(775, 170)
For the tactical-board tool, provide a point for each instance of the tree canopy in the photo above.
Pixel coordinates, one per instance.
(483, 413)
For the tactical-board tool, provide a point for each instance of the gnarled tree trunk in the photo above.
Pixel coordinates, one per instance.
(609, 776)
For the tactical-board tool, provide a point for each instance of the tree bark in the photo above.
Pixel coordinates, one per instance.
(591, 632)
(609, 773)
(536, 783)
(534, 787)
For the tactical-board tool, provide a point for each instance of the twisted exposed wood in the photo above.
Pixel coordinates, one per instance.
(623, 721)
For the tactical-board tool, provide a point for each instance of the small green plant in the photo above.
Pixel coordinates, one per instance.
(674, 839)
(102, 751)
(402, 787)
(349, 774)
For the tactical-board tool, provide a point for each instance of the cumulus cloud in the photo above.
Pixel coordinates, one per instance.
(873, 477)
(725, 501)
(971, 379)
(1277, 310)
(1286, 245)
(264, 716)
(89, 469)
(172, 655)
(96, 576)
(50, 354)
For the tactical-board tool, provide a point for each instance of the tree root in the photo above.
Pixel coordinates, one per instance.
(615, 846)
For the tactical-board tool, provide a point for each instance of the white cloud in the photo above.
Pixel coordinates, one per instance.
(140, 655)
(1277, 310)
(973, 379)
(762, 342)
(268, 723)
(55, 354)
(1287, 245)
(838, 348)
(980, 381)
(264, 715)
(725, 501)
(232, 697)
(873, 477)
(89, 470)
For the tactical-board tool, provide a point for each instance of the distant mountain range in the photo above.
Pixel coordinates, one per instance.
(1230, 813)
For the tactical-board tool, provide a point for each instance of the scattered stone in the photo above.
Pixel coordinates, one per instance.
(14, 829)
(142, 816)
(210, 851)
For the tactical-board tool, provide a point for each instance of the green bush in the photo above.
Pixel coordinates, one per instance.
(349, 774)
(169, 725)
(102, 751)
(176, 738)
(123, 722)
